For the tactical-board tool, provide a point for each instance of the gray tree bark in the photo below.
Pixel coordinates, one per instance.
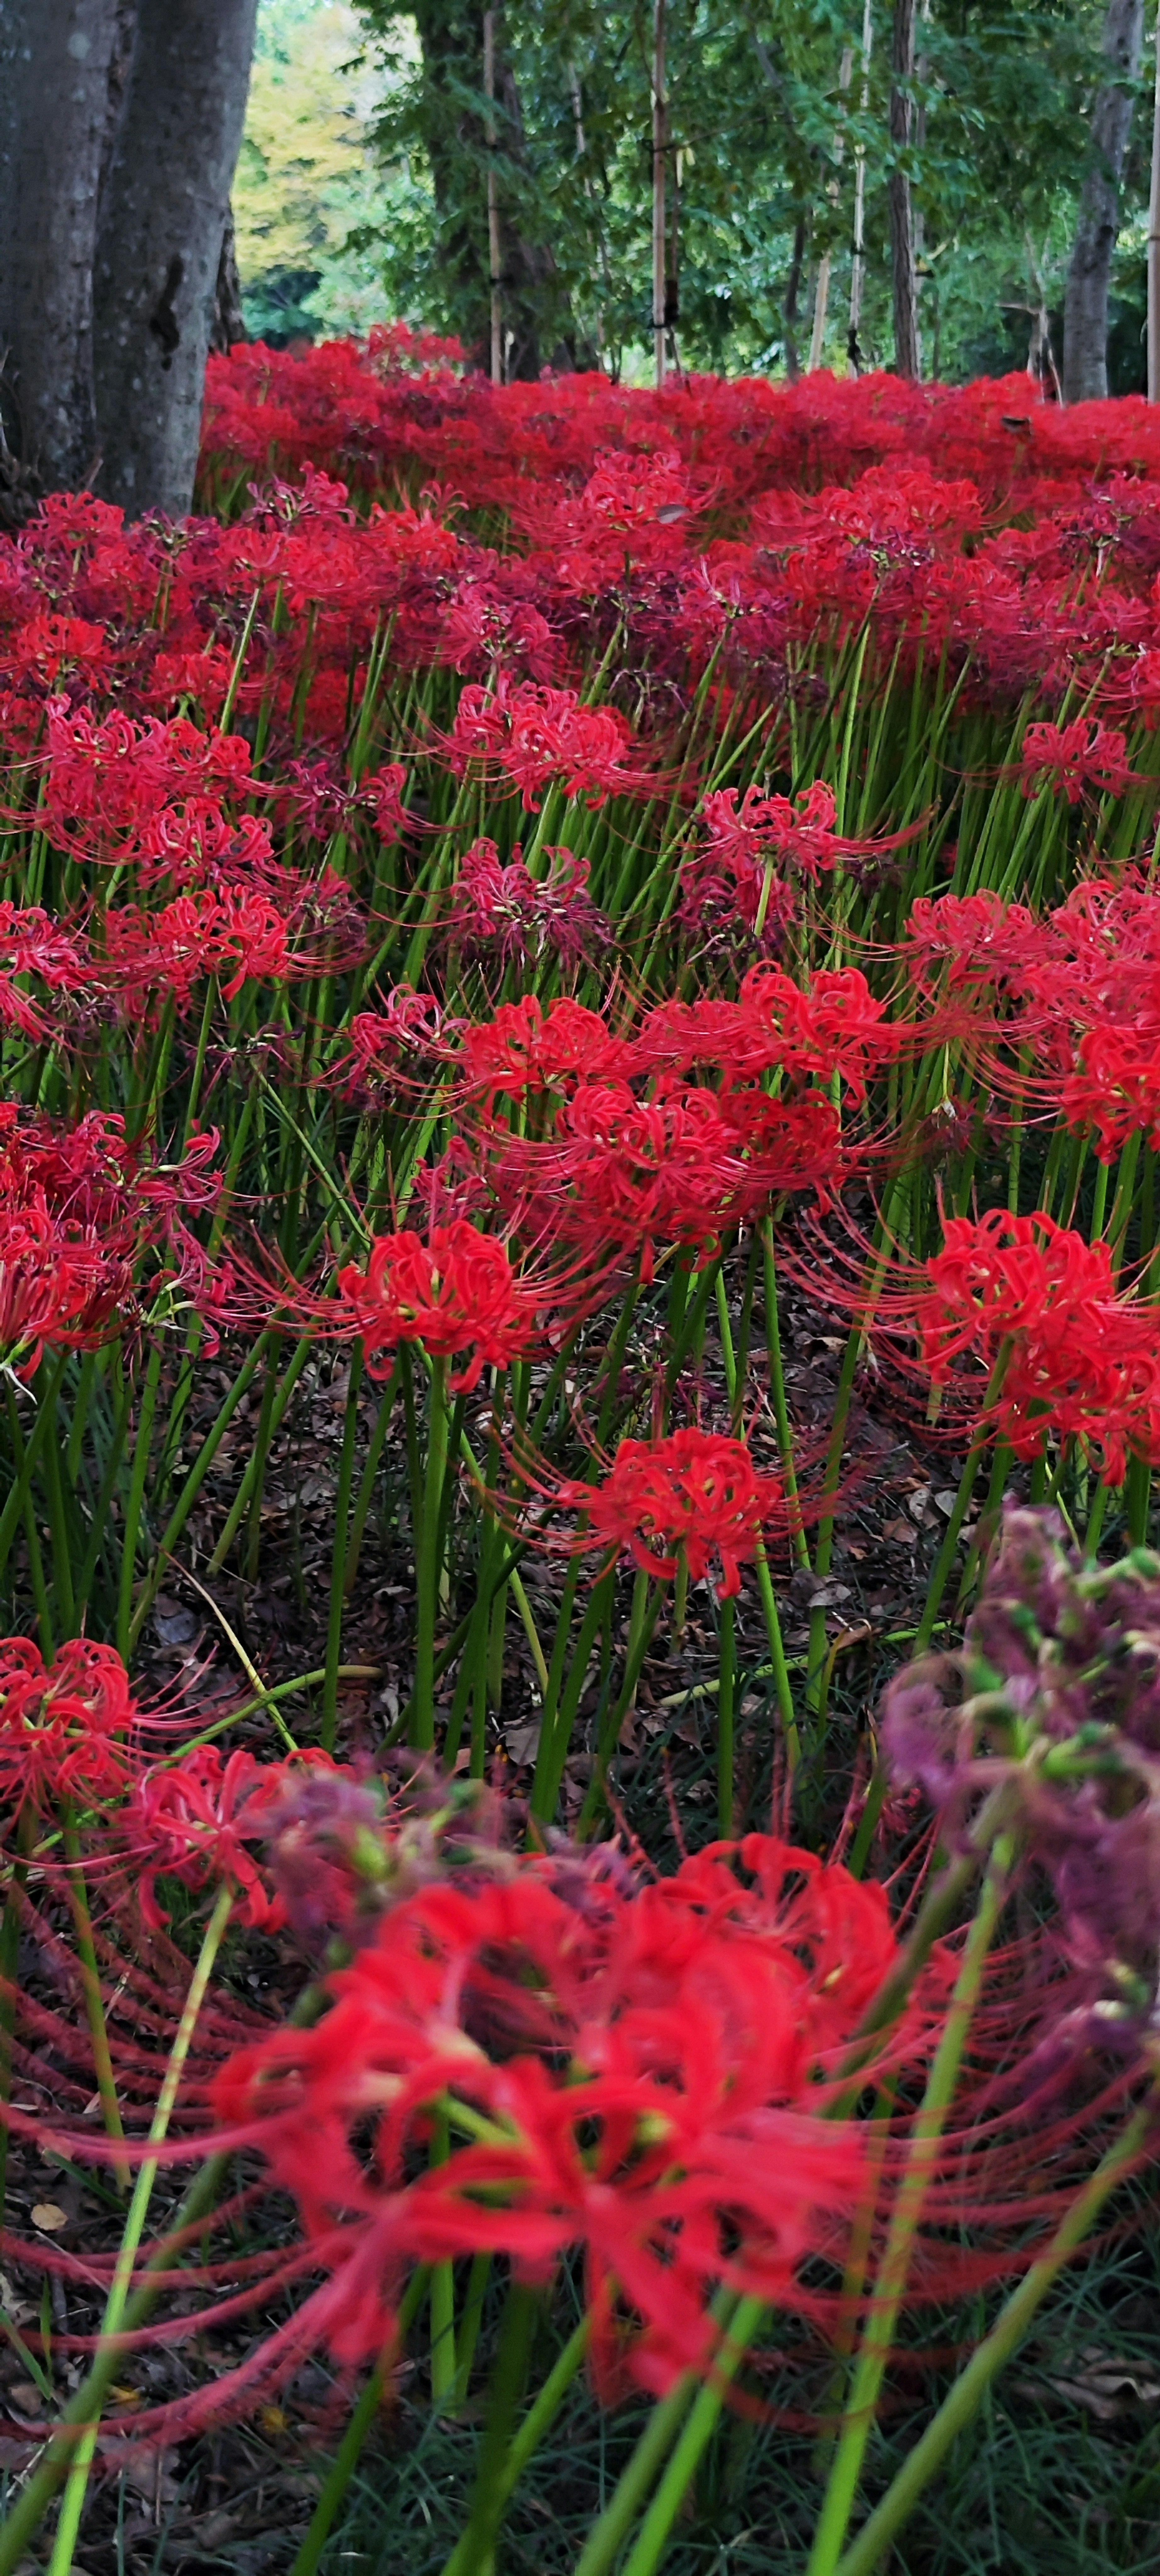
(229, 321)
(1085, 311)
(56, 62)
(907, 353)
(159, 245)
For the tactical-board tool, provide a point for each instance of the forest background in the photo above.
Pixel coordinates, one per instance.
(361, 187)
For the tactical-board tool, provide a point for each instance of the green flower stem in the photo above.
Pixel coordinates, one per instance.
(603, 2544)
(922, 2156)
(778, 1664)
(971, 2387)
(94, 2001)
(256, 1465)
(560, 1714)
(30, 2507)
(777, 1394)
(475, 2553)
(113, 2322)
(136, 1498)
(824, 1544)
(642, 1622)
(427, 1565)
(704, 2417)
(350, 2449)
(338, 1581)
(444, 2375)
(728, 1666)
(944, 1561)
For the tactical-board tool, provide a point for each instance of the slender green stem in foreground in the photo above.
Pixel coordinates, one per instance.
(350, 2449)
(922, 2155)
(114, 2316)
(996, 2349)
(427, 1561)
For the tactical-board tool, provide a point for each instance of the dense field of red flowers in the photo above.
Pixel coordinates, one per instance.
(580, 995)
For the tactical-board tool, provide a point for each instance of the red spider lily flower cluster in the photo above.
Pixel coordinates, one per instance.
(1074, 758)
(66, 1728)
(1077, 1359)
(515, 917)
(197, 1820)
(646, 2080)
(79, 1208)
(691, 1494)
(536, 735)
(455, 1292)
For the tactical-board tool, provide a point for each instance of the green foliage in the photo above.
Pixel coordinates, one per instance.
(764, 142)
(307, 183)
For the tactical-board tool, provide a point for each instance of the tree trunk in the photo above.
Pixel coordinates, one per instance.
(229, 321)
(907, 356)
(858, 256)
(55, 63)
(790, 306)
(159, 246)
(660, 145)
(1154, 240)
(1085, 311)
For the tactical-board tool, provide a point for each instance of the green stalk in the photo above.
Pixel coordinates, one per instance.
(704, 2416)
(427, 1561)
(94, 2003)
(338, 1582)
(112, 2323)
(475, 2552)
(31, 2505)
(778, 1396)
(444, 2373)
(350, 2449)
(133, 1507)
(973, 2384)
(930, 2121)
(725, 1723)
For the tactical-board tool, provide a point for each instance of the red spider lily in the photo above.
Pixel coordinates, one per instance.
(79, 1207)
(648, 2075)
(1075, 757)
(455, 1292)
(622, 1175)
(106, 783)
(1002, 1274)
(508, 912)
(691, 1493)
(1081, 1362)
(526, 1047)
(382, 794)
(65, 1727)
(536, 735)
(1115, 1088)
(195, 1821)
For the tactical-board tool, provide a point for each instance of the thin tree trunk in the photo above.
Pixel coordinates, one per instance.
(660, 140)
(858, 260)
(790, 307)
(907, 355)
(1089, 278)
(160, 241)
(55, 63)
(494, 247)
(229, 321)
(822, 288)
(1154, 241)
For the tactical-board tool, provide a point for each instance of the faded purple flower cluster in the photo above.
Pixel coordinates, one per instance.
(1053, 1705)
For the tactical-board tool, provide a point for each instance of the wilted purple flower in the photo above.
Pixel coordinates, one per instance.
(508, 913)
(1054, 1702)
